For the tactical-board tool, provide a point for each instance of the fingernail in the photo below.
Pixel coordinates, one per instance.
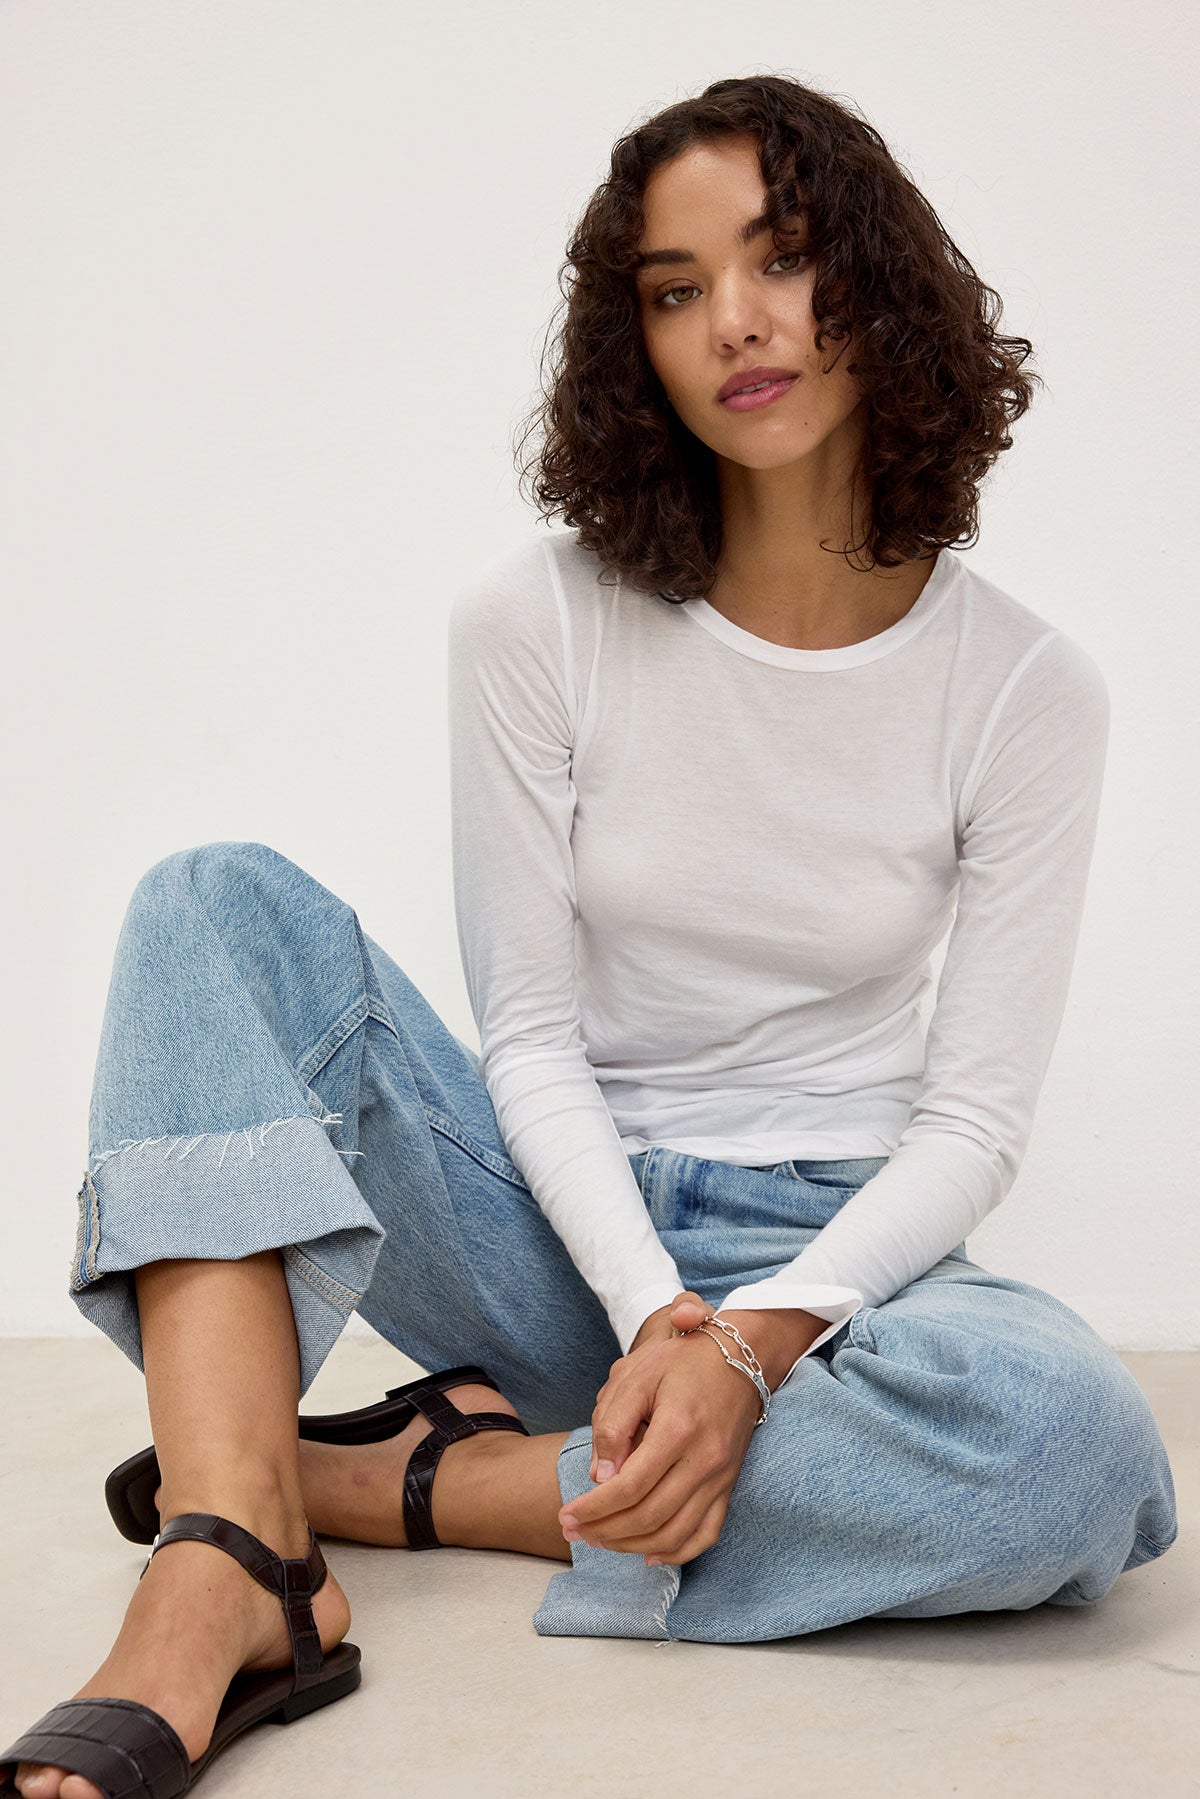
(569, 1523)
(652, 1561)
(606, 1470)
(573, 1536)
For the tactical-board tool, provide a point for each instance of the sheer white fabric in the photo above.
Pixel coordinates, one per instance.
(699, 879)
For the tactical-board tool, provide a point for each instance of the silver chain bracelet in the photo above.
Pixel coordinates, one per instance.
(753, 1372)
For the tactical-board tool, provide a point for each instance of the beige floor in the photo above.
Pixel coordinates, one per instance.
(460, 1695)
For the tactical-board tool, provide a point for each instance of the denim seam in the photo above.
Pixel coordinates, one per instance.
(381, 1017)
(376, 1003)
(316, 1277)
(496, 1164)
(1148, 1543)
(670, 1593)
(327, 1046)
(87, 1236)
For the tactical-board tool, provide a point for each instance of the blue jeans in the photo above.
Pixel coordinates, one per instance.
(269, 1078)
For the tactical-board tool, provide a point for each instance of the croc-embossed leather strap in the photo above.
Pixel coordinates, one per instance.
(94, 1736)
(449, 1426)
(294, 1581)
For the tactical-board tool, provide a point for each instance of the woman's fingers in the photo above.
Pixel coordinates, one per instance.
(645, 1466)
(670, 1522)
(701, 1539)
(616, 1420)
(612, 1436)
(667, 1519)
(671, 1511)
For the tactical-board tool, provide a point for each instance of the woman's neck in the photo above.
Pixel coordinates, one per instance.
(776, 580)
(816, 605)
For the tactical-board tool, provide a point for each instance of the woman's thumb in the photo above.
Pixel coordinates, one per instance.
(689, 1310)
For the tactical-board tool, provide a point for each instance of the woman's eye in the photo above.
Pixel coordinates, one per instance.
(664, 299)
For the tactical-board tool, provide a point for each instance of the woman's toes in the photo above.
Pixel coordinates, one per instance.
(76, 1787)
(37, 1781)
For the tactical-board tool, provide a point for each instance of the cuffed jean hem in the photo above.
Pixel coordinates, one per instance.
(605, 1592)
(145, 1201)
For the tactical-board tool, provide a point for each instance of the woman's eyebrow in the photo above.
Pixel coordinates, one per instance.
(653, 259)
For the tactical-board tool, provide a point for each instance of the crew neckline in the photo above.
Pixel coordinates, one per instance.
(847, 655)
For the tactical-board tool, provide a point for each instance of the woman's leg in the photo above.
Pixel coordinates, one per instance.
(228, 1226)
(222, 1382)
(971, 1445)
(269, 1078)
(495, 1490)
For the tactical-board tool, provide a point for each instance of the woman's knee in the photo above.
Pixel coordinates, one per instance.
(208, 862)
(1020, 1396)
(1083, 1466)
(244, 887)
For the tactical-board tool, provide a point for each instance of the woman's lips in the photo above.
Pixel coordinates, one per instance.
(761, 397)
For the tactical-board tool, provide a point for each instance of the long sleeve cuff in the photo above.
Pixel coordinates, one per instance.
(837, 1304)
(635, 1311)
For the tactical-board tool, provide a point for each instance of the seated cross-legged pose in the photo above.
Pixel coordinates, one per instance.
(684, 1244)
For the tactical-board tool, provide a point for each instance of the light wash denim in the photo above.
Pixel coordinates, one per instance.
(269, 1078)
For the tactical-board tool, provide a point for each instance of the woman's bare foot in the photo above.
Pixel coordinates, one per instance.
(494, 1490)
(196, 1619)
(356, 1490)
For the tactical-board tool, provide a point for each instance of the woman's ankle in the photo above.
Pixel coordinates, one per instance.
(274, 1516)
(505, 1496)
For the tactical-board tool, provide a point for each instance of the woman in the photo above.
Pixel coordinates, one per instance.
(726, 755)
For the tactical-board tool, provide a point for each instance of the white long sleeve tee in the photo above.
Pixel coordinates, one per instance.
(699, 878)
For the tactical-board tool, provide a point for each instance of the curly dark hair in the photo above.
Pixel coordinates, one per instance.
(941, 385)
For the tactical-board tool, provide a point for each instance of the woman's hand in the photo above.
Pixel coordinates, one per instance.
(659, 1327)
(674, 1421)
(662, 1325)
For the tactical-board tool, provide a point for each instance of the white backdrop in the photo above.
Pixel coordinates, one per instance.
(277, 274)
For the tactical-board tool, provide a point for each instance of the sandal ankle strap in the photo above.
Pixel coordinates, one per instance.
(450, 1425)
(293, 1580)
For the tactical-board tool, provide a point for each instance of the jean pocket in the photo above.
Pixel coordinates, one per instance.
(859, 1329)
(846, 1174)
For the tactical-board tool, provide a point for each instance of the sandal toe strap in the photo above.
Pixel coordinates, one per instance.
(124, 1748)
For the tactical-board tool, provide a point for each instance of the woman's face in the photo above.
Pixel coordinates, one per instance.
(725, 306)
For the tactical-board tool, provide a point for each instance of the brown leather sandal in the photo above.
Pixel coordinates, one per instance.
(130, 1488)
(131, 1752)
